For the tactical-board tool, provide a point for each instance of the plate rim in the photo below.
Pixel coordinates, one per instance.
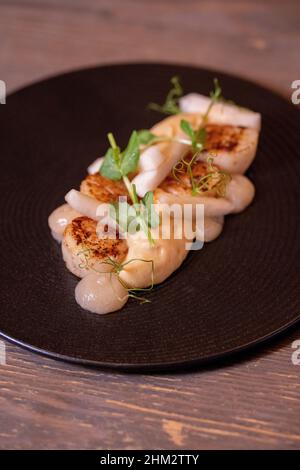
(241, 77)
(159, 366)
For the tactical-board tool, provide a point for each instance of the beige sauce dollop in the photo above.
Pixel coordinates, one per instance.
(59, 219)
(167, 256)
(101, 293)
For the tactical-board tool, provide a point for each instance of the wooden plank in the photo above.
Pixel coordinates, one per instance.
(256, 39)
(250, 403)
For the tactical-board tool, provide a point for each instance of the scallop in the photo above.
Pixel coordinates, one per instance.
(84, 251)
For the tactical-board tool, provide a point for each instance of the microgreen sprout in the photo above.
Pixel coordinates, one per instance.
(197, 137)
(117, 165)
(170, 106)
(215, 96)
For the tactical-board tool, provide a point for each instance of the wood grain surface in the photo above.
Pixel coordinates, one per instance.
(252, 401)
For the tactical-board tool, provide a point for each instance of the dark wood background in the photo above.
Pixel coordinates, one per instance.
(250, 402)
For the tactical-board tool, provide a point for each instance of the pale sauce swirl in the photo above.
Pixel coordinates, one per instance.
(59, 219)
(101, 293)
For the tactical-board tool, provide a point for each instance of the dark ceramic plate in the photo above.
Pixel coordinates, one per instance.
(238, 291)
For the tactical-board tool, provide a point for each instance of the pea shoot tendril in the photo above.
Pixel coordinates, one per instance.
(117, 267)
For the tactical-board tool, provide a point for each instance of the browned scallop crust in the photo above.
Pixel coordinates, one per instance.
(179, 182)
(223, 137)
(102, 189)
(81, 235)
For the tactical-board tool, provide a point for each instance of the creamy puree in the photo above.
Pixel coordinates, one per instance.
(59, 219)
(212, 229)
(239, 194)
(101, 293)
(167, 256)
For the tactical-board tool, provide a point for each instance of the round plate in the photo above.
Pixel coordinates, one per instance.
(235, 292)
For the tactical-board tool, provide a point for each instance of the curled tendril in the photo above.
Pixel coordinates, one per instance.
(116, 270)
(221, 177)
(202, 184)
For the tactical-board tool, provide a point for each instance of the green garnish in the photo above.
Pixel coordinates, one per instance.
(116, 270)
(215, 96)
(140, 215)
(197, 137)
(220, 177)
(184, 166)
(205, 182)
(216, 93)
(145, 137)
(117, 165)
(170, 106)
(149, 215)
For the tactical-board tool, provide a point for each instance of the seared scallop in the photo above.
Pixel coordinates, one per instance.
(103, 189)
(179, 181)
(85, 252)
(219, 192)
(232, 146)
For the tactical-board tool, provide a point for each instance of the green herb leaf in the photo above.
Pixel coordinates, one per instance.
(187, 129)
(197, 137)
(118, 164)
(134, 193)
(110, 167)
(216, 94)
(145, 137)
(131, 155)
(200, 137)
(170, 106)
(150, 215)
(148, 199)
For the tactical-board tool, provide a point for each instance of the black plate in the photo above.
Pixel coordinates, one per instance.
(237, 291)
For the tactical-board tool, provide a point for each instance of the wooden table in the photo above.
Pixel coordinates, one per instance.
(249, 402)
